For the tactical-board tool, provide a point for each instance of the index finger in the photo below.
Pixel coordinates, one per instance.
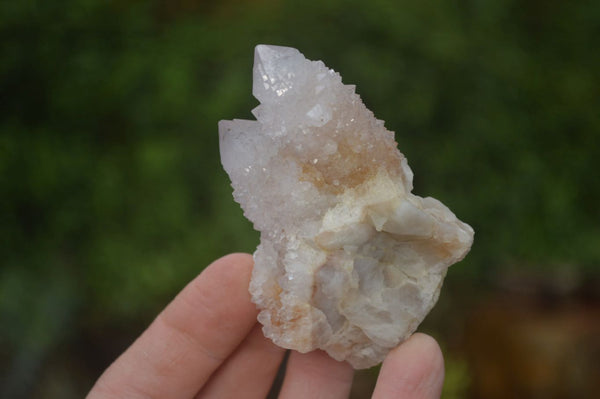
(188, 341)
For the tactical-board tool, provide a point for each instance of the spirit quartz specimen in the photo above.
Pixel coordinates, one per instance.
(350, 261)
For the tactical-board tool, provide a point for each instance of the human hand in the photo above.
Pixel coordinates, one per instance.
(207, 344)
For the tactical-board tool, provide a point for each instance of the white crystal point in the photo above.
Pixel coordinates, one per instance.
(350, 261)
(272, 66)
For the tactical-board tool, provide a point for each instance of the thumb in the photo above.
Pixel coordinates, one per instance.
(413, 370)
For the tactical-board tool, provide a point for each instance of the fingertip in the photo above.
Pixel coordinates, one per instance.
(231, 273)
(427, 348)
(415, 369)
(232, 265)
(236, 257)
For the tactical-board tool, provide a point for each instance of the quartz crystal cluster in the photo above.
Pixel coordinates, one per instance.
(350, 261)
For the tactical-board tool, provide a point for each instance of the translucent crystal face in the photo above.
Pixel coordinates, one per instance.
(350, 261)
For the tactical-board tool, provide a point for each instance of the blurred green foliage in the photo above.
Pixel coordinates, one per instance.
(112, 195)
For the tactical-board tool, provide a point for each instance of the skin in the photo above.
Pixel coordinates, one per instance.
(207, 344)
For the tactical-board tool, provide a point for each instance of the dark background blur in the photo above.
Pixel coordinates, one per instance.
(112, 196)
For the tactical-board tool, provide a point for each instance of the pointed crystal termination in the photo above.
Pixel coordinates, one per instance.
(350, 261)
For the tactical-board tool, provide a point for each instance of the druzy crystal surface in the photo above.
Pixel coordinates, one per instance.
(350, 261)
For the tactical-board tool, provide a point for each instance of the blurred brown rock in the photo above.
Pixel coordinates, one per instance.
(531, 344)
